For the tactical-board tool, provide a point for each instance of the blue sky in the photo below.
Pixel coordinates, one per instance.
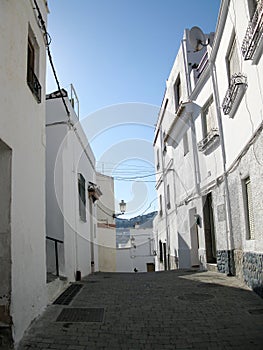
(120, 52)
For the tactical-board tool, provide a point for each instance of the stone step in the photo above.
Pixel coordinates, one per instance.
(211, 267)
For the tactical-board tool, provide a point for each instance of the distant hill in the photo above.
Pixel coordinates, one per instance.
(130, 223)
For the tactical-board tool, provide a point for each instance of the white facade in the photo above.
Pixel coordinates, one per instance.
(209, 150)
(22, 157)
(106, 228)
(71, 192)
(139, 254)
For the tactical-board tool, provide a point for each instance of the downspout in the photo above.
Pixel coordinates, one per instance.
(165, 201)
(229, 228)
(192, 124)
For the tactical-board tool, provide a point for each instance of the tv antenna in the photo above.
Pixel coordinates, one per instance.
(197, 38)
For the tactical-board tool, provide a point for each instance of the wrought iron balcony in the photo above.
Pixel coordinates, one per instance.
(211, 139)
(234, 94)
(34, 84)
(254, 33)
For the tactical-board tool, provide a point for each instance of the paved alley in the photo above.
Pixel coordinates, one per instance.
(163, 310)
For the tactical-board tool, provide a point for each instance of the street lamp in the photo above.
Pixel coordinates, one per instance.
(122, 209)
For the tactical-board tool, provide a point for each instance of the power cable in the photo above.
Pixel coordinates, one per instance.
(48, 40)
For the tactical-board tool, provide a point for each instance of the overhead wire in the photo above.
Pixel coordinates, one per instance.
(48, 40)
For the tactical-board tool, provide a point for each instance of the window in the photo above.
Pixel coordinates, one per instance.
(208, 117)
(82, 197)
(32, 66)
(161, 251)
(252, 5)
(158, 159)
(161, 205)
(185, 144)
(249, 216)
(177, 92)
(168, 197)
(233, 65)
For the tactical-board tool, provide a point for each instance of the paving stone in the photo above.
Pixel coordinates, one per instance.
(164, 310)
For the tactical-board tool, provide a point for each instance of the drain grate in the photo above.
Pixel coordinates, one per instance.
(81, 315)
(66, 297)
(196, 297)
(256, 312)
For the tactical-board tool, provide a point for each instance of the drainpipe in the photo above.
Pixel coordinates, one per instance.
(165, 201)
(229, 228)
(192, 124)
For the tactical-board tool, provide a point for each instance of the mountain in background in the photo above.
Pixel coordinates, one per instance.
(140, 220)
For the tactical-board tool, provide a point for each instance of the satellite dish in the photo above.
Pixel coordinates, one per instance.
(197, 38)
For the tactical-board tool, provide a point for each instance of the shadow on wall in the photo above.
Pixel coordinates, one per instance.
(184, 253)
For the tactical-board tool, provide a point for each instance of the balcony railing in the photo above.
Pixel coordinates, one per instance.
(254, 33)
(234, 93)
(34, 84)
(211, 138)
(56, 241)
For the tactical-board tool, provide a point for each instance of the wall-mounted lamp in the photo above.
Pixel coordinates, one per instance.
(122, 209)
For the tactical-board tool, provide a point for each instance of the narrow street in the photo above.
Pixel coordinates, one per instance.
(182, 309)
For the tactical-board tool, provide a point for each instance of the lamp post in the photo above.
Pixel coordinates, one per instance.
(122, 209)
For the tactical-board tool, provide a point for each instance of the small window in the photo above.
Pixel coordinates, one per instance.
(232, 60)
(249, 216)
(82, 197)
(160, 251)
(158, 159)
(208, 117)
(168, 197)
(252, 5)
(32, 66)
(177, 92)
(185, 144)
(161, 205)
(164, 143)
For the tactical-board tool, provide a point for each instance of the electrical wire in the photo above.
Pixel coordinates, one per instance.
(48, 40)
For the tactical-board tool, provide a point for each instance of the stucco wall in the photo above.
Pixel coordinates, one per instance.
(65, 159)
(22, 128)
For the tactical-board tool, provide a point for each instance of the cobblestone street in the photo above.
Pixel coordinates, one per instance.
(164, 310)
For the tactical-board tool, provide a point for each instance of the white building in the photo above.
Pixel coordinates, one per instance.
(22, 163)
(208, 145)
(71, 192)
(139, 253)
(106, 228)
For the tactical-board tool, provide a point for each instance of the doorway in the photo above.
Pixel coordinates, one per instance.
(194, 237)
(209, 228)
(5, 233)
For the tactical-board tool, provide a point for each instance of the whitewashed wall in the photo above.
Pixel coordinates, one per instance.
(139, 254)
(22, 128)
(65, 159)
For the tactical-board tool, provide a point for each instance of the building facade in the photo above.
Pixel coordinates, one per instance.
(106, 227)
(22, 158)
(138, 254)
(208, 146)
(71, 192)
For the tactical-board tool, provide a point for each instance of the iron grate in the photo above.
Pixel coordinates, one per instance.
(67, 296)
(81, 315)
